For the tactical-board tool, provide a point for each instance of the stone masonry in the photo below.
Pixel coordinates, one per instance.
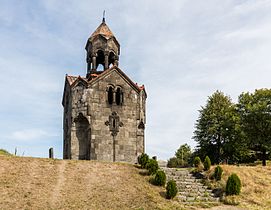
(104, 112)
(190, 189)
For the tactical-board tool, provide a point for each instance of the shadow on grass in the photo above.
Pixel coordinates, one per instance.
(137, 166)
(144, 172)
(163, 194)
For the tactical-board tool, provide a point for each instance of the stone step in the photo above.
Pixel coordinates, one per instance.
(190, 189)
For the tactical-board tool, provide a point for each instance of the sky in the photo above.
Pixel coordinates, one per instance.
(181, 50)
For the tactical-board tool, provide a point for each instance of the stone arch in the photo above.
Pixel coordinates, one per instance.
(111, 59)
(119, 95)
(110, 94)
(83, 134)
(100, 60)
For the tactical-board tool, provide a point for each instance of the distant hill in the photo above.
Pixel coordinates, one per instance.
(36, 183)
(4, 152)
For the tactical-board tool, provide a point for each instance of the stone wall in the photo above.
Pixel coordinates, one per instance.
(108, 132)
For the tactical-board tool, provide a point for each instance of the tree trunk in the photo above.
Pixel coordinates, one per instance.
(218, 149)
(264, 157)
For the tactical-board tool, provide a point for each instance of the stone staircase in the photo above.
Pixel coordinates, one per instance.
(190, 189)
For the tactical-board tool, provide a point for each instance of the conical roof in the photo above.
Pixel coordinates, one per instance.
(103, 30)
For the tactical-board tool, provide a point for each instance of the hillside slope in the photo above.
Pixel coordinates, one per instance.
(256, 185)
(36, 183)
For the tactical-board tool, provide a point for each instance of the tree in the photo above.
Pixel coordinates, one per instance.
(173, 162)
(184, 154)
(216, 127)
(255, 114)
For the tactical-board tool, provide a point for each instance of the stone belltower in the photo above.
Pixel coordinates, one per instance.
(104, 112)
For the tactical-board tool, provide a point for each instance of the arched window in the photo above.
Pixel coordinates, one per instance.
(100, 60)
(111, 59)
(110, 95)
(119, 96)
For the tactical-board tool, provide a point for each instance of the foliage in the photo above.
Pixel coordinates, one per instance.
(152, 166)
(218, 173)
(143, 160)
(4, 152)
(218, 131)
(197, 161)
(207, 163)
(233, 186)
(160, 178)
(184, 155)
(171, 189)
(173, 163)
(255, 111)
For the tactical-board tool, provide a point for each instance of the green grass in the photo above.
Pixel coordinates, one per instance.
(4, 152)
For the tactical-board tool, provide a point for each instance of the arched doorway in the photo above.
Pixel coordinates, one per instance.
(83, 136)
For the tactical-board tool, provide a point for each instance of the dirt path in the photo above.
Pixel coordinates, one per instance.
(59, 184)
(224, 207)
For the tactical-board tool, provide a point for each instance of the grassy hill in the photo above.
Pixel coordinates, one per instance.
(4, 152)
(36, 183)
(256, 186)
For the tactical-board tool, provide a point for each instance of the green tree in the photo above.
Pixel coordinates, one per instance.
(173, 162)
(184, 154)
(216, 128)
(255, 114)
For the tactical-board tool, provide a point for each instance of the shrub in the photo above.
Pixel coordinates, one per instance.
(218, 173)
(171, 189)
(160, 178)
(207, 163)
(197, 161)
(152, 166)
(233, 186)
(143, 160)
(173, 162)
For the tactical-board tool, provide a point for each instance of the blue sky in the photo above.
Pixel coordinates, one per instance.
(181, 50)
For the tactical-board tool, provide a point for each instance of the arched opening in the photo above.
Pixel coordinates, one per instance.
(111, 59)
(110, 95)
(100, 60)
(83, 135)
(119, 96)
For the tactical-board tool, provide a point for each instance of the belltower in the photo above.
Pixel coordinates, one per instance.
(104, 112)
(102, 49)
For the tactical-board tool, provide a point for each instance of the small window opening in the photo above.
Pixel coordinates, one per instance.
(119, 96)
(110, 95)
(114, 123)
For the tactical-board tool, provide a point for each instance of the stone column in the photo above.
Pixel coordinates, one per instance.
(116, 60)
(88, 65)
(94, 63)
(106, 62)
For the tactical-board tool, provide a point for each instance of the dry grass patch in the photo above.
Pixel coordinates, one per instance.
(36, 183)
(256, 185)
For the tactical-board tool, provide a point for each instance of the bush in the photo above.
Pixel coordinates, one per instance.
(171, 189)
(152, 166)
(207, 163)
(143, 160)
(160, 178)
(218, 173)
(197, 161)
(233, 186)
(173, 163)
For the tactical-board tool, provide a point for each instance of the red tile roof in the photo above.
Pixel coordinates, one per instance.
(72, 79)
(103, 30)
